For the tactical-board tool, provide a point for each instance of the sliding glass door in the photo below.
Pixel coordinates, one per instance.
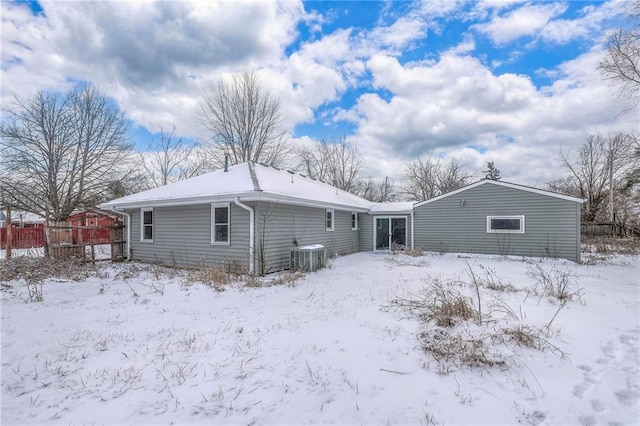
(382, 233)
(390, 232)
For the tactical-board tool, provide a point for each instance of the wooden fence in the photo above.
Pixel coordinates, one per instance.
(61, 241)
(65, 241)
(22, 238)
(591, 229)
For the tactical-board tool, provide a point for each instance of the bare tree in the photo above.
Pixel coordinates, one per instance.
(378, 192)
(431, 177)
(169, 160)
(337, 163)
(565, 185)
(601, 169)
(621, 65)
(244, 121)
(61, 151)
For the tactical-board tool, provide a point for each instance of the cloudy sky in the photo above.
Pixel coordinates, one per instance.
(503, 80)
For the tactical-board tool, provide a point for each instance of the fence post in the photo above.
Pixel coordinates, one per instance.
(79, 241)
(9, 233)
(117, 240)
(93, 246)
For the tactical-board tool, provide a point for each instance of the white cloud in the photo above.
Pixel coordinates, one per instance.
(320, 71)
(154, 59)
(398, 35)
(457, 102)
(468, 45)
(542, 21)
(523, 21)
(149, 56)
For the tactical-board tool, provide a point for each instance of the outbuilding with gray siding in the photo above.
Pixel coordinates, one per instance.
(494, 217)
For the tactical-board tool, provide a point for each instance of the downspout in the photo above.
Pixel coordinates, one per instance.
(251, 233)
(412, 229)
(128, 216)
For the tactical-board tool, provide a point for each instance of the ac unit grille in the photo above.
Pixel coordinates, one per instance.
(308, 258)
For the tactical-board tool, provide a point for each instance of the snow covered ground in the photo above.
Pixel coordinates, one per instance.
(101, 251)
(139, 345)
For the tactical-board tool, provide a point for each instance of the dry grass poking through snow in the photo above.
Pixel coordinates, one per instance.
(32, 271)
(219, 278)
(555, 284)
(143, 344)
(439, 303)
(458, 331)
(601, 249)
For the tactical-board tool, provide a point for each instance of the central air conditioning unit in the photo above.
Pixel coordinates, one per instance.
(308, 258)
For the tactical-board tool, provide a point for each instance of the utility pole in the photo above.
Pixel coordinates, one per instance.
(611, 213)
(386, 186)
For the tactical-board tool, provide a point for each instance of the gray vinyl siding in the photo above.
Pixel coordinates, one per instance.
(366, 232)
(182, 237)
(552, 225)
(278, 225)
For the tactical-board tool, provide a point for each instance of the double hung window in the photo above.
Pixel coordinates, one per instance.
(146, 225)
(330, 219)
(220, 221)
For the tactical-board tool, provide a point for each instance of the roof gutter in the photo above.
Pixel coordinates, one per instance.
(248, 196)
(128, 216)
(251, 233)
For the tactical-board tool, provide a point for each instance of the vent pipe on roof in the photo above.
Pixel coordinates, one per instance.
(226, 162)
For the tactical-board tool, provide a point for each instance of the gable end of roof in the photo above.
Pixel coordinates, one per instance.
(503, 184)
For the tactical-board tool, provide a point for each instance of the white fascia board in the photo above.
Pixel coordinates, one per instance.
(244, 197)
(169, 202)
(389, 212)
(505, 184)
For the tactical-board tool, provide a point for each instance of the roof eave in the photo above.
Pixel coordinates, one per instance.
(244, 196)
(389, 212)
(170, 202)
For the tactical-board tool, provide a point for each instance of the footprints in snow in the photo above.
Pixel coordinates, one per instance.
(617, 372)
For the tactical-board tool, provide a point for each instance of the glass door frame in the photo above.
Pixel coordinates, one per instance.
(389, 230)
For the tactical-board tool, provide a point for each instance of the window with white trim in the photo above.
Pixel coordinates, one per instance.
(146, 225)
(354, 221)
(505, 224)
(330, 219)
(220, 221)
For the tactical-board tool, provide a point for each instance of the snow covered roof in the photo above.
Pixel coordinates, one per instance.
(249, 182)
(391, 208)
(505, 184)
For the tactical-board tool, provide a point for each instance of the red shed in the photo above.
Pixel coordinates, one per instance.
(96, 218)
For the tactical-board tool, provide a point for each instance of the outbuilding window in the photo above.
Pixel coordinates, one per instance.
(329, 216)
(146, 225)
(354, 221)
(505, 224)
(220, 221)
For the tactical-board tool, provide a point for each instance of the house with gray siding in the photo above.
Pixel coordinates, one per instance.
(248, 217)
